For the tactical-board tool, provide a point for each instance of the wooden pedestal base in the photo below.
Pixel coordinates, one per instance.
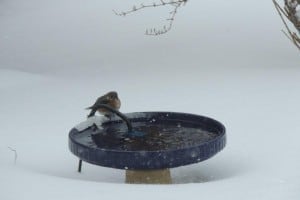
(162, 176)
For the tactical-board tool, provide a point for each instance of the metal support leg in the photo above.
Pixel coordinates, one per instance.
(79, 166)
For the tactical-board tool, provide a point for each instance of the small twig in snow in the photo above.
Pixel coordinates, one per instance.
(16, 154)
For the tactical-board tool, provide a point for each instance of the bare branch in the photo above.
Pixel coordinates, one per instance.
(175, 3)
(290, 12)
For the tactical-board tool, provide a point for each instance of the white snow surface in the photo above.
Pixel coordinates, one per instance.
(57, 57)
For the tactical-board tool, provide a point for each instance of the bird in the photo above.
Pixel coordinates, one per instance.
(111, 99)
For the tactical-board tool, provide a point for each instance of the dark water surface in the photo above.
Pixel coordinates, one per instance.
(157, 137)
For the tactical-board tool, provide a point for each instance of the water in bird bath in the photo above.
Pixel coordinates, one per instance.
(157, 136)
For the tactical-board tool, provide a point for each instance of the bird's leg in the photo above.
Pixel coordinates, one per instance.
(79, 166)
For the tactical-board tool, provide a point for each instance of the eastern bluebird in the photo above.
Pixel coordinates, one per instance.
(111, 99)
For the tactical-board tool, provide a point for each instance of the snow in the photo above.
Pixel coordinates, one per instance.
(99, 120)
(57, 57)
(95, 120)
(298, 14)
(292, 3)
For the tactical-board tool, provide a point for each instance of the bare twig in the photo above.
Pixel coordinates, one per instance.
(175, 3)
(16, 154)
(290, 12)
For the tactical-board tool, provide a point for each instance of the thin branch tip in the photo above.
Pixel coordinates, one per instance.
(175, 3)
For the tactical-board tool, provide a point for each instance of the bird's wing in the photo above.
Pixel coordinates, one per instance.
(100, 100)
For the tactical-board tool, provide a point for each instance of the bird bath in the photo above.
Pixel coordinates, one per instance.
(159, 141)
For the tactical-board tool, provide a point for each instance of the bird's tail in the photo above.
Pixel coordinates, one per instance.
(88, 108)
(92, 113)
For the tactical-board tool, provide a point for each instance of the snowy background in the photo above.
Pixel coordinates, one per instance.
(228, 61)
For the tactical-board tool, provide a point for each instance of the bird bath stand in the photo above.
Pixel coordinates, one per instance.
(148, 144)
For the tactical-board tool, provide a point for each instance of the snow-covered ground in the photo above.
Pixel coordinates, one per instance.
(222, 60)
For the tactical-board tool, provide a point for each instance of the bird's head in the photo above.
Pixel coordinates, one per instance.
(112, 95)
